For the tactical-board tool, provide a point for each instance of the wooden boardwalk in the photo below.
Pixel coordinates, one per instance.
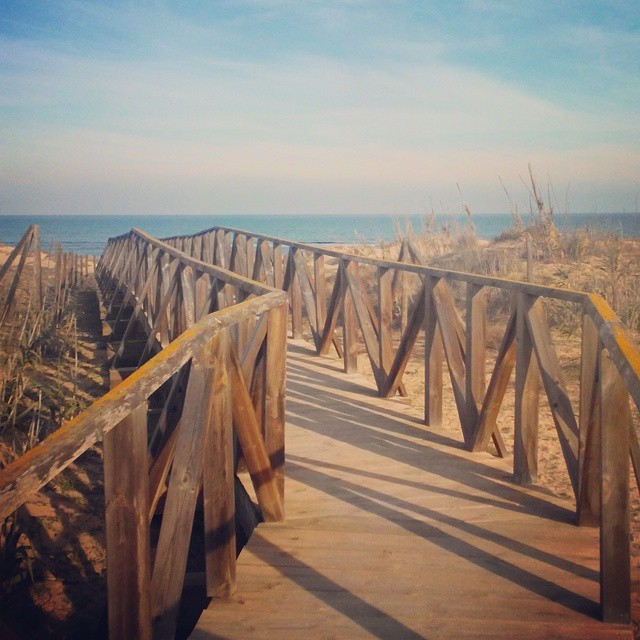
(394, 531)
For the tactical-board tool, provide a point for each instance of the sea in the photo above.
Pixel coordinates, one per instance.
(88, 234)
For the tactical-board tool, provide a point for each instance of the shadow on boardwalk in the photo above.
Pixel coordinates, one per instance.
(393, 531)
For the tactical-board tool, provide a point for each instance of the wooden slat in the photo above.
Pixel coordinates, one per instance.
(218, 480)
(159, 471)
(407, 342)
(349, 327)
(16, 279)
(278, 276)
(555, 388)
(275, 389)
(307, 294)
(385, 318)
(127, 532)
(267, 263)
(615, 568)
(253, 448)
(618, 341)
(590, 455)
(333, 311)
(475, 350)
(37, 268)
(367, 329)
(433, 355)
(320, 290)
(295, 295)
(487, 420)
(252, 347)
(525, 445)
(15, 252)
(186, 477)
(453, 341)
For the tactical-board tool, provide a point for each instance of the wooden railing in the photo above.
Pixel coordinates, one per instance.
(596, 439)
(168, 428)
(70, 270)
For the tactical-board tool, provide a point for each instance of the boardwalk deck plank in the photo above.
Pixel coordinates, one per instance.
(394, 531)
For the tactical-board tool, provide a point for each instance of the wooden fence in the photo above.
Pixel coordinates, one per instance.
(167, 429)
(70, 269)
(596, 439)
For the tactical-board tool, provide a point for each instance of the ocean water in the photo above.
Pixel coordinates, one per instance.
(89, 233)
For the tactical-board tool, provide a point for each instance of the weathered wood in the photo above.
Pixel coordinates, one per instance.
(590, 456)
(253, 447)
(367, 328)
(160, 470)
(385, 318)
(38, 291)
(320, 290)
(278, 275)
(218, 480)
(275, 388)
(16, 279)
(349, 327)
(617, 340)
(307, 294)
(335, 307)
(433, 356)
(407, 342)
(615, 567)
(295, 295)
(15, 252)
(487, 420)
(252, 347)
(555, 388)
(525, 445)
(34, 469)
(453, 341)
(127, 532)
(485, 281)
(186, 477)
(475, 350)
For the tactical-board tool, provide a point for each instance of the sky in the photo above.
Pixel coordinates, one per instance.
(341, 106)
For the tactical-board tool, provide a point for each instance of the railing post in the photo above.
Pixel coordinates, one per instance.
(275, 389)
(475, 351)
(525, 445)
(615, 566)
(296, 299)
(385, 318)
(350, 331)
(218, 479)
(250, 255)
(320, 290)
(433, 356)
(126, 487)
(278, 276)
(589, 455)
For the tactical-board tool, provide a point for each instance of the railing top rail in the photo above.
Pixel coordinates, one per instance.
(614, 335)
(34, 469)
(567, 295)
(250, 286)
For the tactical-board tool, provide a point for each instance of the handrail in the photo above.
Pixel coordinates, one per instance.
(224, 339)
(617, 337)
(38, 466)
(597, 440)
(470, 278)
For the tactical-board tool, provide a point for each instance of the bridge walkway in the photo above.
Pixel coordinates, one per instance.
(394, 531)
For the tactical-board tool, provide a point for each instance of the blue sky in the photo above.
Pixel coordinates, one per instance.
(355, 106)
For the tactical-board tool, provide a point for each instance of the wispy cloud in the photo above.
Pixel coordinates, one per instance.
(261, 105)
